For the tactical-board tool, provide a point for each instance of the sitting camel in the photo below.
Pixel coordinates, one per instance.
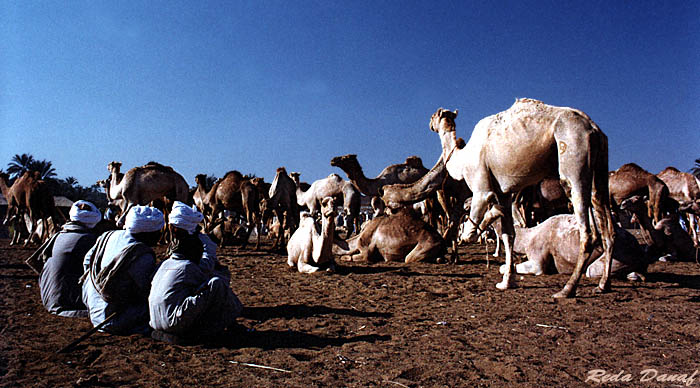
(554, 243)
(309, 248)
(518, 148)
(331, 186)
(685, 189)
(400, 236)
(629, 180)
(666, 237)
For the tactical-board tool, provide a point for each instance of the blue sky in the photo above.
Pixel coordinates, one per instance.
(208, 87)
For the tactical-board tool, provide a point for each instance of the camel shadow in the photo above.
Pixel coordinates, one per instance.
(288, 311)
(14, 266)
(270, 339)
(682, 281)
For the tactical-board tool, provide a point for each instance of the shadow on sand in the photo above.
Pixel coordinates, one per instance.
(271, 339)
(288, 311)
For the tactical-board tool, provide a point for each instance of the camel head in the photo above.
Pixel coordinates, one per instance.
(414, 161)
(295, 177)
(443, 121)
(328, 207)
(346, 161)
(634, 204)
(114, 167)
(690, 207)
(200, 179)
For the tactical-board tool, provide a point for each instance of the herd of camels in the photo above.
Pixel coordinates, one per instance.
(519, 168)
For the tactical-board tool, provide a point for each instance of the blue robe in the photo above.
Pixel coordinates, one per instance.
(132, 315)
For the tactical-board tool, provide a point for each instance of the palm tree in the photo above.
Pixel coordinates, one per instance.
(19, 164)
(44, 167)
(71, 181)
(696, 169)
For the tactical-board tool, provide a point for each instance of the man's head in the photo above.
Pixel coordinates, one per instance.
(85, 213)
(184, 217)
(145, 224)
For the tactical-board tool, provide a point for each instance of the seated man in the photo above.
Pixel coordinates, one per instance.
(59, 280)
(187, 298)
(118, 273)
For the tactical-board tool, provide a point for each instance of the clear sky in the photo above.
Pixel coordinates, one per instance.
(208, 87)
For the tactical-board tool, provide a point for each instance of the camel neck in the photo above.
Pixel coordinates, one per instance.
(448, 140)
(5, 189)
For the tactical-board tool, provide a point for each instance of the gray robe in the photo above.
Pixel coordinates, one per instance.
(58, 282)
(186, 300)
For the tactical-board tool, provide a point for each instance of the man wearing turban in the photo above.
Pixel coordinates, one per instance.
(118, 273)
(188, 299)
(58, 281)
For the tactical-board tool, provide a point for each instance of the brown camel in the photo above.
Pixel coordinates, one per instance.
(29, 195)
(283, 203)
(685, 189)
(518, 148)
(235, 193)
(401, 236)
(331, 186)
(629, 180)
(144, 184)
(409, 171)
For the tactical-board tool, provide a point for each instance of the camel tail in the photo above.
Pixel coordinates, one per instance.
(600, 198)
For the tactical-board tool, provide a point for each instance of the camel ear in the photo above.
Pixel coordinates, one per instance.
(456, 111)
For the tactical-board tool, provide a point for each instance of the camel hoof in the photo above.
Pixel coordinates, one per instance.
(504, 285)
(599, 290)
(564, 294)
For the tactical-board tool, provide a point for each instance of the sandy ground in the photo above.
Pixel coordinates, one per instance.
(381, 325)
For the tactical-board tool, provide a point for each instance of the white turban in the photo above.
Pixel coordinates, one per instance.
(89, 218)
(142, 219)
(185, 217)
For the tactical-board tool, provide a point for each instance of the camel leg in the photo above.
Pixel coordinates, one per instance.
(507, 234)
(302, 264)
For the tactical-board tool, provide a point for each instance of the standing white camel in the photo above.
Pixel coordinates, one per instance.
(518, 148)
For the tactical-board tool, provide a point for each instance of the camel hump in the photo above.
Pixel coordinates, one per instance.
(158, 166)
(414, 161)
(671, 168)
(234, 174)
(281, 170)
(630, 167)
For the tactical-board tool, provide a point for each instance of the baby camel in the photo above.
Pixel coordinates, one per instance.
(309, 249)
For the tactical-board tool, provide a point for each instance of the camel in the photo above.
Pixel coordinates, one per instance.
(554, 243)
(141, 185)
(400, 236)
(310, 249)
(29, 195)
(331, 186)
(518, 148)
(235, 193)
(537, 203)
(629, 180)
(283, 202)
(685, 189)
(409, 171)
(665, 237)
